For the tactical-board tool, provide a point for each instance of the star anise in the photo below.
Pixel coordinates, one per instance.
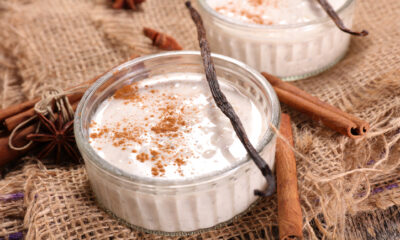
(132, 4)
(58, 136)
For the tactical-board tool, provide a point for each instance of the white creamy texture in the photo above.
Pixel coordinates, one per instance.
(204, 143)
(273, 12)
(287, 52)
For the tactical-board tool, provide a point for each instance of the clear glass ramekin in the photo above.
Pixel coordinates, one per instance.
(176, 207)
(291, 52)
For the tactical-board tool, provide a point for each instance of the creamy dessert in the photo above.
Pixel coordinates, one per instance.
(160, 155)
(273, 12)
(170, 128)
(289, 38)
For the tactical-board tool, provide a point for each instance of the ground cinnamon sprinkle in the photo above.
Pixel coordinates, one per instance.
(160, 168)
(142, 157)
(92, 124)
(94, 135)
(131, 135)
(170, 121)
(128, 92)
(179, 162)
(167, 124)
(100, 133)
(154, 171)
(154, 154)
(256, 2)
(254, 15)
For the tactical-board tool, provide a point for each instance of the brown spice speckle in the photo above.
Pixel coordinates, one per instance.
(170, 124)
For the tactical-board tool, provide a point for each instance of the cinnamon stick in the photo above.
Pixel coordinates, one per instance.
(6, 153)
(318, 110)
(28, 105)
(162, 40)
(13, 121)
(290, 220)
(127, 4)
(18, 108)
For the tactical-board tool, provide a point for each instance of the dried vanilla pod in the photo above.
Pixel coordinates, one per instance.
(336, 19)
(226, 108)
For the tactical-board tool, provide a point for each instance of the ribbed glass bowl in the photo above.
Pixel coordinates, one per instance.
(291, 51)
(176, 207)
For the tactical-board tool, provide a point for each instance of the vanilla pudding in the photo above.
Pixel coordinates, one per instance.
(170, 128)
(289, 38)
(161, 156)
(273, 12)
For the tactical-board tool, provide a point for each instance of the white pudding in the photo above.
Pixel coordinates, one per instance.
(272, 12)
(291, 39)
(170, 128)
(158, 152)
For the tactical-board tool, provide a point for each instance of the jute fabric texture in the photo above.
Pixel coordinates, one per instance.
(65, 42)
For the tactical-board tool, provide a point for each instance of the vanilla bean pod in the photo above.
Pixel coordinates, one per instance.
(336, 19)
(226, 107)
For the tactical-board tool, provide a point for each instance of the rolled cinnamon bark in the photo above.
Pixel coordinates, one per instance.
(290, 219)
(162, 40)
(28, 105)
(14, 115)
(13, 121)
(18, 108)
(6, 153)
(331, 116)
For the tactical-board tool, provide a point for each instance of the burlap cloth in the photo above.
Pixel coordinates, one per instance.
(64, 42)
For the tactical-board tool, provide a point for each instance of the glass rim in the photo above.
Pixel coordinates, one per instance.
(203, 4)
(86, 149)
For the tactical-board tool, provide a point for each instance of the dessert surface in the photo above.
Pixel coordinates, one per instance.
(169, 127)
(272, 12)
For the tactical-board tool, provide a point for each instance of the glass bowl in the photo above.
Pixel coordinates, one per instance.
(182, 206)
(290, 51)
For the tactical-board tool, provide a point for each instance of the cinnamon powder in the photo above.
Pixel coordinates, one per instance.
(170, 121)
(128, 92)
(256, 16)
(170, 124)
(142, 157)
